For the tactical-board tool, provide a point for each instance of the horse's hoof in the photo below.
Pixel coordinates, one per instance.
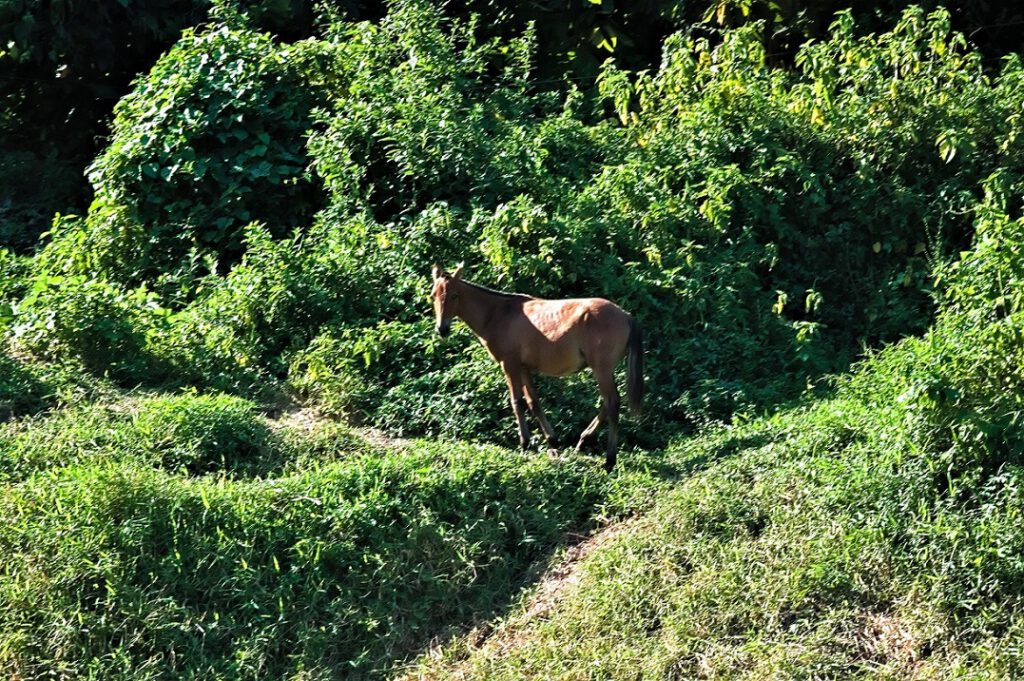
(554, 453)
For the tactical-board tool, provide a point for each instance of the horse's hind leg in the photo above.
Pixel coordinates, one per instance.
(592, 428)
(610, 398)
(533, 403)
(513, 376)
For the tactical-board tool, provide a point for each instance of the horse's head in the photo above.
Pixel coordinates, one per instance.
(446, 298)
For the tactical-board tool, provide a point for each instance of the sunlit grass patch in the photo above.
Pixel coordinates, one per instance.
(113, 565)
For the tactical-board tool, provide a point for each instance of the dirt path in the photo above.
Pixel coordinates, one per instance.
(379, 438)
(498, 639)
(295, 417)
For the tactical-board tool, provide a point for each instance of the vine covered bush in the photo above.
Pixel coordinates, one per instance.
(737, 209)
(207, 142)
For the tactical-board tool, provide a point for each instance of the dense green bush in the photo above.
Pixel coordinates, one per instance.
(962, 386)
(91, 320)
(210, 140)
(737, 209)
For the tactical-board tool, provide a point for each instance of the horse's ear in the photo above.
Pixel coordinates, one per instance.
(436, 271)
(458, 271)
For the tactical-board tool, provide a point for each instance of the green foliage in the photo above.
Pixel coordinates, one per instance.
(265, 220)
(427, 115)
(210, 140)
(21, 390)
(736, 209)
(14, 273)
(91, 320)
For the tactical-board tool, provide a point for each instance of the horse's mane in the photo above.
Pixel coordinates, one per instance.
(493, 292)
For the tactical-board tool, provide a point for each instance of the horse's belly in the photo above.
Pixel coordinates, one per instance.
(560, 361)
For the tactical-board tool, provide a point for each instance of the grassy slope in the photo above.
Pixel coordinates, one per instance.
(813, 546)
(159, 536)
(137, 546)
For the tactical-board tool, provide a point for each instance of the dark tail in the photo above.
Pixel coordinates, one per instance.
(635, 368)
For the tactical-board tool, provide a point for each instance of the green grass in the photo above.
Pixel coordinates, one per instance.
(814, 544)
(116, 569)
(29, 387)
(188, 433)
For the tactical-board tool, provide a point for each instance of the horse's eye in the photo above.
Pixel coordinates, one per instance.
(455, 296)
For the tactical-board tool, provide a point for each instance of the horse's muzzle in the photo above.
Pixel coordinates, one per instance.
(444, 329)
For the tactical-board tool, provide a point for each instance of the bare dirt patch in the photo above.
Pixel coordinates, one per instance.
(378, 438)
(306, 420)
(303, 419)
(890, 641)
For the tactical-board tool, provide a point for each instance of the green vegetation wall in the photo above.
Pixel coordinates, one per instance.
(266, 214)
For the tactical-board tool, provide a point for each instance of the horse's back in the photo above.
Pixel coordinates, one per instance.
(560, 337)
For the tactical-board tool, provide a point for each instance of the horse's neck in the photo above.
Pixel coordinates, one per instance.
(479, 309)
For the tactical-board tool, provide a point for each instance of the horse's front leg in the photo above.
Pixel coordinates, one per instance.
(513, 376)
(533, 402)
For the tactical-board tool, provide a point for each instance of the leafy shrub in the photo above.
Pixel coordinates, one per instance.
(327, 373)
(210, 140)
(91, 320)
(425, 116)
(963, 386)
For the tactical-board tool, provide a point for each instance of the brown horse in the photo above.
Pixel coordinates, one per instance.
(554, 337)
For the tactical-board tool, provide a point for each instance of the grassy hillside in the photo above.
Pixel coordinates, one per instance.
(121, 561)
(204, 377)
